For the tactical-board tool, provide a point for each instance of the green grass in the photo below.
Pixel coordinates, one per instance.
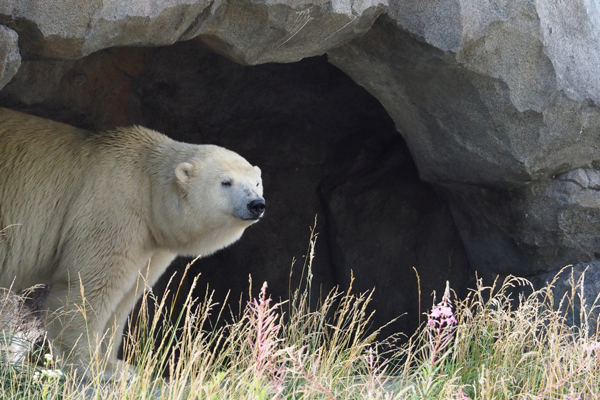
(487, 346)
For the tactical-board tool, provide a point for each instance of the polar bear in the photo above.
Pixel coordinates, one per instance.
(89, 213)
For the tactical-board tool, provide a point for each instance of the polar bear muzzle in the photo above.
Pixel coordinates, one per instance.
(251, 209)
(257, 208)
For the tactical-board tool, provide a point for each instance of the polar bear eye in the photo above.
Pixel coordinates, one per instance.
(226, 183)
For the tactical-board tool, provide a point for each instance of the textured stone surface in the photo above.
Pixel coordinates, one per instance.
(247, 31)
(565, 35)
(10, 58)
(525, 231)
(92, 92)
(458, 113)
(572, 284)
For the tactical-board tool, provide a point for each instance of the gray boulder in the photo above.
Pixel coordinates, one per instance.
(22, 323)
(10, 58)
(492, 113)
(249, 32)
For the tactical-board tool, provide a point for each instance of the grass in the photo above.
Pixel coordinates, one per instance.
(491, 345)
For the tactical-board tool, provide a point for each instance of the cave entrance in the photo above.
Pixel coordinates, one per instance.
(326, 147)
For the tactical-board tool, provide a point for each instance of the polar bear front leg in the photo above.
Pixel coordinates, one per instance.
(147, 276)
(87, 325)
(78, 319)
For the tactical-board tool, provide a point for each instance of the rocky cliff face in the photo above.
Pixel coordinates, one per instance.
(474, 145)
(492, 102)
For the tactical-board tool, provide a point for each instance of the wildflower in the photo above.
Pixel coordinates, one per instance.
(52, 373)
(589, 347)
(441, 314)
(440, 324)
(461, 395)
(264, 321)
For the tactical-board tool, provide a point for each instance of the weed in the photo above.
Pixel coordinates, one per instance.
(489, 345)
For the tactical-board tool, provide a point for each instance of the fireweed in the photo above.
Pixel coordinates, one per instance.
(437, 335)
(440, 329)
(263, 339)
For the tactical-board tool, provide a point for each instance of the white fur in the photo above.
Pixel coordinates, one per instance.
(95, 208)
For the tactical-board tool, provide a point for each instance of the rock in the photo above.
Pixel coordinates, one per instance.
(574, 290)
(280, 32)
(472, 116)
(530, 230)
(68, 29)
(249, 32)
(21, 322)
(571, 36)
(536, 47)
(70, 91)
(10, 58)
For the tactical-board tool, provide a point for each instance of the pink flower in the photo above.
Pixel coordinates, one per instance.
(441, 315)
(461, 395)
(440, 327)
(591, 346)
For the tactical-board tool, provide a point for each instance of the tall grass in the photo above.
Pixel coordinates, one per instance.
(493, 344)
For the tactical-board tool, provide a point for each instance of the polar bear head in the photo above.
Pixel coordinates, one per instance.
(219, 194)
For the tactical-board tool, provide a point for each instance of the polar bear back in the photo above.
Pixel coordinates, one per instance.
(35, 188)
(55, 180)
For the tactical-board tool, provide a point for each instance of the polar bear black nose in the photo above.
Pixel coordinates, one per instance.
(257, 207)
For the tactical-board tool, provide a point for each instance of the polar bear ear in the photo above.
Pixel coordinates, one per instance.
(183, 173)
(257, 170)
